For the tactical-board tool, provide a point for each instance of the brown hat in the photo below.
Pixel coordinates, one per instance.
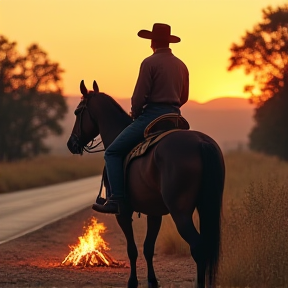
(160, 32)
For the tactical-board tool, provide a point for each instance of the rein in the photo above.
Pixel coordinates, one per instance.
(89, 147)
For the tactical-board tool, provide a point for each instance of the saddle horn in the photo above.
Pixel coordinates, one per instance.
(83, 88)
(95, 87)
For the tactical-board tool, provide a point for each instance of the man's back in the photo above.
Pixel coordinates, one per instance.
(163, 78)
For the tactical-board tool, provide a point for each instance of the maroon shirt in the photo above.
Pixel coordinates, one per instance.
(163, 78)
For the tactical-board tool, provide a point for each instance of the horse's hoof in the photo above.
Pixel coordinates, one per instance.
(132, 283)
(153, 283)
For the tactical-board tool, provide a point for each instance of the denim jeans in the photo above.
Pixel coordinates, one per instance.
(131, 136)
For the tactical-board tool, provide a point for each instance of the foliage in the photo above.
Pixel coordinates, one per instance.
(264, 53)
(31, 101)
(270, 136)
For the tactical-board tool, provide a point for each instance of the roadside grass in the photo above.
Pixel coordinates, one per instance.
(255, 212)
(47, 170)
(254, 225)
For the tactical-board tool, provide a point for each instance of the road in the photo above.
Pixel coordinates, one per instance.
(26, 211)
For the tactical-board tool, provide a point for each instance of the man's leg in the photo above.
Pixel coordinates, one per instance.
(114, 156)
(116, 153)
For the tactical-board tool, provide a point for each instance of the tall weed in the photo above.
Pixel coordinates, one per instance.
(254, 237)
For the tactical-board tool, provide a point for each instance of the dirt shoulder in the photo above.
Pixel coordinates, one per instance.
(34, 260)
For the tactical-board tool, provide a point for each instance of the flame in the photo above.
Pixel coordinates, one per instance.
(90, 251)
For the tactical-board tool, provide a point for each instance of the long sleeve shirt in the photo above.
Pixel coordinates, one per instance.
(163, 78)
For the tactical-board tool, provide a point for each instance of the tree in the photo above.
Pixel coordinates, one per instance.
(31, 101)
(264, 54)
(271, 133)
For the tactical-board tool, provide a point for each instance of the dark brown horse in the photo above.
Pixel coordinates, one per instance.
(183, 172)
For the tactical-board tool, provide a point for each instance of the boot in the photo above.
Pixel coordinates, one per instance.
(113, 205)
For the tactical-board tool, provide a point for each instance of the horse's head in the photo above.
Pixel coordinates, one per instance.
(86, 127)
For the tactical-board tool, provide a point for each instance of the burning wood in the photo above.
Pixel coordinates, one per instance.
(90, 251)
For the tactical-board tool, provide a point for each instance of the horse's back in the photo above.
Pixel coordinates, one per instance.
(170, 172)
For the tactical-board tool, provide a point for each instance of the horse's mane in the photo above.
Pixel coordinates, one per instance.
(111, 100)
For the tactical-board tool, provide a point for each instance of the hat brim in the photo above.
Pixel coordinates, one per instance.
(149, 35)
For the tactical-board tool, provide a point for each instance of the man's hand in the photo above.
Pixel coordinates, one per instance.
(135, 114)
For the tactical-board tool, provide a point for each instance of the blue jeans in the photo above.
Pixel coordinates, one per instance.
(131, 136)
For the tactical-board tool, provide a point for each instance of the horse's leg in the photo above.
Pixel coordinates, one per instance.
(125, 222)
(188, 232)
(153, 227)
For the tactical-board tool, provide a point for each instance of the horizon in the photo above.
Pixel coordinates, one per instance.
(98, 40)
(221, 103)
(211, 100)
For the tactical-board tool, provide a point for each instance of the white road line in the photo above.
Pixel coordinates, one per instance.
(25, 211)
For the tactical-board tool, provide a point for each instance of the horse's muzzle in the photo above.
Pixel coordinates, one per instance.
(74, 145)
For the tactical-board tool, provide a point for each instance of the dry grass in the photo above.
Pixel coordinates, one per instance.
(47, 170)
(254, 227)
(255, 212)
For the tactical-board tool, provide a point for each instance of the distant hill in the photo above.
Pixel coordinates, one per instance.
(228, 120)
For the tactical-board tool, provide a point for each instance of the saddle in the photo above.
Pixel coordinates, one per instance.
(166, 122)
(153, 133)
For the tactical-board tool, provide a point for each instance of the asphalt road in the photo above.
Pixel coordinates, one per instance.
(26, 211)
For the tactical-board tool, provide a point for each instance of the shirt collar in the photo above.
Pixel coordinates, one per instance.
(163, 50)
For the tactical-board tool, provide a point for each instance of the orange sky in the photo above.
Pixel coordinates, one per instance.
(97, 39)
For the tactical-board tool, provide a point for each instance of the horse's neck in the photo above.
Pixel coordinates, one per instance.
(111, 119)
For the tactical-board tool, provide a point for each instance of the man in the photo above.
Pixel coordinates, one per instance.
(162, 87)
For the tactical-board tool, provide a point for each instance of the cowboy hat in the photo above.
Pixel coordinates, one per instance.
(160, 32)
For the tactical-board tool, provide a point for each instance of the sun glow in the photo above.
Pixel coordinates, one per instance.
(98, 39)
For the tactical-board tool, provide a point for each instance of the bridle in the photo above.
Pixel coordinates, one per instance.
(79, 111)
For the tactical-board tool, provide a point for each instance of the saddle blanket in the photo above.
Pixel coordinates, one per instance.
(141, 148)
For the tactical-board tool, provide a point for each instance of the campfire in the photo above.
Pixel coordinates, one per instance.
(91, 249)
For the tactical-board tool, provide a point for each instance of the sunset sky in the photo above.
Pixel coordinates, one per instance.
(97, 39)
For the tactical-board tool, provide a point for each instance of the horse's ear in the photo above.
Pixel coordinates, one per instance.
(95, 87)
(83, 88)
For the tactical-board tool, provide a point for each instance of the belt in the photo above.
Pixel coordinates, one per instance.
(163, 104)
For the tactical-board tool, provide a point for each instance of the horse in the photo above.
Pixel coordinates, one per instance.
(183, 172)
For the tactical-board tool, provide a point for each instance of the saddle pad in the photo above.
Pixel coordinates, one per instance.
(141, 148)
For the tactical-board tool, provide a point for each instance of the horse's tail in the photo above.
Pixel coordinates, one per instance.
(209, 207)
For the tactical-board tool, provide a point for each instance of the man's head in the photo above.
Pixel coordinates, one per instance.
(156, 44)
(160, 36)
